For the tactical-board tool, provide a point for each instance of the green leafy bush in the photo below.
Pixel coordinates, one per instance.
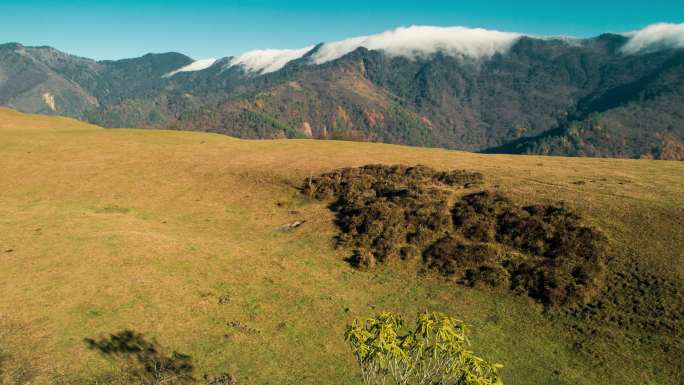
(433, 351)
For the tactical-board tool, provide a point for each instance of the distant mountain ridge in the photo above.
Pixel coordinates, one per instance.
(471, 89)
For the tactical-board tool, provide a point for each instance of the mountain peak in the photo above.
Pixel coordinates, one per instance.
(11, 45)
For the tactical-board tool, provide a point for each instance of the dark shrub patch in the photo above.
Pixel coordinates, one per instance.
(390, 212)
(556, 259)
(352, 183)
(397, 213)
(451, 255)
(491, 275)
(222, 379)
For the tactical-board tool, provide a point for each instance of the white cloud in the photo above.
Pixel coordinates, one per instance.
(268, 60)
(412, 42)
(655, 37)
(197, 65)
(420, 41)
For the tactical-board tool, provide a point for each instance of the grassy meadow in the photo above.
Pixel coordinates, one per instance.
(174, 235)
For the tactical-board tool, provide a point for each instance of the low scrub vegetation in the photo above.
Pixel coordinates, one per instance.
(541, 250)
(400, 213)
(389, 211)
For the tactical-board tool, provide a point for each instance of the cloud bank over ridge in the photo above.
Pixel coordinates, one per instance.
(422, 41)
(654, 38)
(412, 42)
(268, 60)
(197, 65)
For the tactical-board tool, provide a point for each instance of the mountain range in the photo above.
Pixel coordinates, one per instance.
(614, 95)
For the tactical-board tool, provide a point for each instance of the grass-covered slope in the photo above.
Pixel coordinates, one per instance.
(175, 235)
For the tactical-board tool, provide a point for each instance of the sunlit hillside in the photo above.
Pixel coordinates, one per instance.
(176, 235)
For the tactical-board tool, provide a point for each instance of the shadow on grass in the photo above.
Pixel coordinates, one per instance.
(143, 362)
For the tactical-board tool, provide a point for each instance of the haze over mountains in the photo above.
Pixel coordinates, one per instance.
(619, 95)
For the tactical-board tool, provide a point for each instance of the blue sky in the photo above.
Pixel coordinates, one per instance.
(202, 28)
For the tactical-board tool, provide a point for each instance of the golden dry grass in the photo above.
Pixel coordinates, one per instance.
(102, 230)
